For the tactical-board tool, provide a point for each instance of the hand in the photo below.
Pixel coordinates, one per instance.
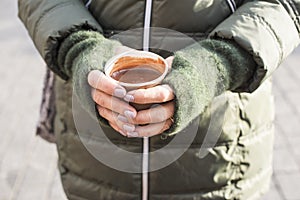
(108, 95)
(159, 117)
(155, 120)
(123, 117)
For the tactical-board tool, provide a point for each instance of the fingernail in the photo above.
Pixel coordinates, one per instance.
(129, 98)
(122, 118)
(119, 92)
(129, 114)
(132, 134)
(128, 128)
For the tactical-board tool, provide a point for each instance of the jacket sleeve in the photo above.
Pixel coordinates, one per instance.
(268, 30)
(203, 71)
(50, 21)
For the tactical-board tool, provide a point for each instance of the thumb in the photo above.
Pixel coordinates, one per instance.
(169, 61)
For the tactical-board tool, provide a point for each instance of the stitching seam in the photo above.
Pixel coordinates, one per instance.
(269, 28)
(295, 19)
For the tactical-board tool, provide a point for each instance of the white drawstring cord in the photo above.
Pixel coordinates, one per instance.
(145, 167)
(146, 42)
(232, 5)
(146, 38)
(88, 3)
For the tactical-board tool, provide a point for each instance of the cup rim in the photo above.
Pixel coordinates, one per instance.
(136, 53)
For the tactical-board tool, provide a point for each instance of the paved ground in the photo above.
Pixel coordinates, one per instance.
(28, 164)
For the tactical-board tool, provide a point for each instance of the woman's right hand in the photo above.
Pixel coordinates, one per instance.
(108, 96)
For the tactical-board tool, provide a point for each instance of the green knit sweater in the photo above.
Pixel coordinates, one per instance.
(80, 53)
(203, 71)
(199, 72)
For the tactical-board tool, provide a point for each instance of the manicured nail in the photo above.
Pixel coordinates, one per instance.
(128, 128)
(119, 92)
(129, 114)
(129, 98)
(122, 118)
(132, 134)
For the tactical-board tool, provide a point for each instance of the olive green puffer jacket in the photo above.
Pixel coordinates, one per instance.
(238, 166)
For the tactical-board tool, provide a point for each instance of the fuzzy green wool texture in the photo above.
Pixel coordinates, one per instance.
(80, 53)
(203, 71)
(199, 72)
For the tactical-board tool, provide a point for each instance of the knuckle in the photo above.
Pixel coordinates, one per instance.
(139, 119)
(99, 81)
(143, 94)
(94, 95)
(100, 100)
(171, 108)
(101, 111)
(160, 114)
(142, 118)
(104, 83)
(96, 82)
(140, 95)
(162, 96)
(167, 124)
(164, 113)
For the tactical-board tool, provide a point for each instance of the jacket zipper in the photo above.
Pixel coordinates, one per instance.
(146, 42)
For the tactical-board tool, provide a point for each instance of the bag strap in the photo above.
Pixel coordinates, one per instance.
(45, 125)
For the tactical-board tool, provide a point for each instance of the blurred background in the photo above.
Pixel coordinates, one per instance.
(28, 163)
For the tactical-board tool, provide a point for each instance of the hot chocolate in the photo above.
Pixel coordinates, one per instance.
(137, 70)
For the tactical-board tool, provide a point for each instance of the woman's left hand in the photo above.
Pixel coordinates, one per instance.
(158, 118)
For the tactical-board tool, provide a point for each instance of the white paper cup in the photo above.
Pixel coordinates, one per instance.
(114, 65)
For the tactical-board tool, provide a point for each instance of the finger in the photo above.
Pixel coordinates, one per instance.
(151, 129)
(114, 126)
(156, 114)
(113, 119)
(157, 94)
(98, 80)
(114, 104)
(170, 61)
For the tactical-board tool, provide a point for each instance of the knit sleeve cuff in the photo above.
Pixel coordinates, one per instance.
(86, 52)
(203, 71)
(192, 89)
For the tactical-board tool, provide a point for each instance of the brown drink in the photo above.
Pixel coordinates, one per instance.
(137, 69)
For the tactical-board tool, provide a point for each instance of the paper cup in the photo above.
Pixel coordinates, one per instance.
(137, 61)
